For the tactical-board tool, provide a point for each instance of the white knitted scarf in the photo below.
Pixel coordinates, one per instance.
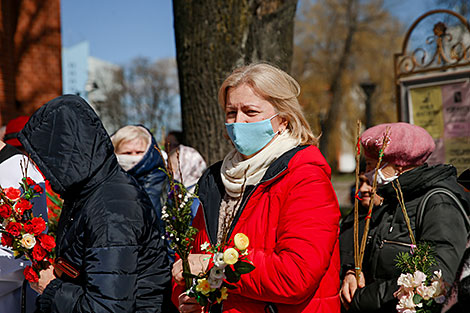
(234, 167)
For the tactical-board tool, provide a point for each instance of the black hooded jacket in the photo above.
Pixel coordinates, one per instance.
(442, 224)
(108, 228)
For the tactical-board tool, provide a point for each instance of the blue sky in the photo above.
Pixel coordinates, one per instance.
(120, 30)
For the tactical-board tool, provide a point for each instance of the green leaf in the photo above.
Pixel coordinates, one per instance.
(417, 298)
(202, 300)
(243, 267)
(232, 276)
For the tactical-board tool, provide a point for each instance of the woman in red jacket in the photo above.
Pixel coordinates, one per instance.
(277, 185)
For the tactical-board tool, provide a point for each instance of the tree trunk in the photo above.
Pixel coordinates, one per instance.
(212, 38)
(336, 92)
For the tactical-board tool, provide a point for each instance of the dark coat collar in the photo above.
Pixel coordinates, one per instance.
(212, 190)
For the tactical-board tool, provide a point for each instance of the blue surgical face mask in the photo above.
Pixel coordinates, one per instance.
(250, 138)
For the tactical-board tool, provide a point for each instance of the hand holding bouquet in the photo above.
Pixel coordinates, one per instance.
(21, 231)
(226, 266)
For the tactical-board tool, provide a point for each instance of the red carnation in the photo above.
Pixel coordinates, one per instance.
(14, 228)
(47, 242)
(5, 210)
(39, 253)
(22, 206)
(36, 226)
(7, 240)
(12, 193)
(37, 188)
(30, 275)
(30, 182)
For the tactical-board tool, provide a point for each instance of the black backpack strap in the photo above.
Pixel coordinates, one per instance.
(428, 195)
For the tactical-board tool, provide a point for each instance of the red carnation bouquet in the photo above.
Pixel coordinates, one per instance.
(21, 231)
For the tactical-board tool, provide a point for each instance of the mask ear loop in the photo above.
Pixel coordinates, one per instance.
(279, 132)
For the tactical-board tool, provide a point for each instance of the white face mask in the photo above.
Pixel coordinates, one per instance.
(128, 161)
(381, 179)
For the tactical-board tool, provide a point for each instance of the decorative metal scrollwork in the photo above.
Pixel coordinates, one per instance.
(444, 53)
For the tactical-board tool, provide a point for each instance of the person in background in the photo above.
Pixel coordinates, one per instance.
(136, 152)
(458, 300)
(289, 210)
(442, 223)
(346, 235)
(190, 163)
(11, 269)
(108, 232)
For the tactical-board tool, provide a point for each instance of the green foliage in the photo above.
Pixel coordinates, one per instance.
(232, 276)
(243, 267)
(421, 258)
(176, 213)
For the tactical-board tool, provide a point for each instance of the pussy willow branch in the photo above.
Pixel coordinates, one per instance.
(178, 164)
(401, 201)
(169, 172)
(356, 203)
(385, 142)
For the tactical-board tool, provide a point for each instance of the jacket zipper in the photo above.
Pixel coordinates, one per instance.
(404, 244)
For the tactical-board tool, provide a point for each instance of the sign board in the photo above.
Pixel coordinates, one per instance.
(434, 92)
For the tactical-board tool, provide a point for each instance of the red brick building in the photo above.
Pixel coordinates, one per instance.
(30, 56)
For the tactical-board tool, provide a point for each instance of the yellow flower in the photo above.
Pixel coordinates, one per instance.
(224, 294)
(241, 241)
(28, 241)
(15, 253)
(203, 286)
(230, 256)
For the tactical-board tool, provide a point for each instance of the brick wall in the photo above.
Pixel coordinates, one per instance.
(30, 56)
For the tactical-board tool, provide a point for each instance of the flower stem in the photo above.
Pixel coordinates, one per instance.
(187, 269)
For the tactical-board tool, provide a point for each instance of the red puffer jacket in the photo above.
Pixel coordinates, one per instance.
(291, 218)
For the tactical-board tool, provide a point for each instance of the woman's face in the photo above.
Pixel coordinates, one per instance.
(366, 192)
(245, 106)
(132, 147)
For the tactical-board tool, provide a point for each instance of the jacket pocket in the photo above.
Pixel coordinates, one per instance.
(387, 253)
(392, 242)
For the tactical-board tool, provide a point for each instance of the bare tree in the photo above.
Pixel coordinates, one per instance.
(338, 45)
(106, 93)
(151, 88)
(144, 92)
(212, 38)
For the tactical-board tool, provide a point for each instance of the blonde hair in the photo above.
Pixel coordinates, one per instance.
(129, 133)
(277, 87)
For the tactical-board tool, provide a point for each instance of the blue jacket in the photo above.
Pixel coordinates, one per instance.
(149, 174)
